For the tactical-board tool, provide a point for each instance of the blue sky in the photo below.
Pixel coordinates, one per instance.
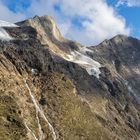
(131, 15)
(86, 21)
(17, 5)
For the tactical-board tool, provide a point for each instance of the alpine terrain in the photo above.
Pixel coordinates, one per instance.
(52, 88)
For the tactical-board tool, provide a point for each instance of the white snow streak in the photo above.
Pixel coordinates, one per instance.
(39, 126)
(130, 89)
(31, 131)
(40, 111)
(91, 66)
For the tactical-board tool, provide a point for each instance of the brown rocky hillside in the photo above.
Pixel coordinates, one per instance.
(52, 88)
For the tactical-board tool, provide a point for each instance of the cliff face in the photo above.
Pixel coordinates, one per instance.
(54, 88)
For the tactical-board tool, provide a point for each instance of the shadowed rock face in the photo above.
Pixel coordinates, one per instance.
(122, 54)
(47, 92)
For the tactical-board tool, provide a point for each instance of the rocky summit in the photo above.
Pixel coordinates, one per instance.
(52, 88)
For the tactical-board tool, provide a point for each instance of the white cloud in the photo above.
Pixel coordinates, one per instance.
(98, 21)
(9, 15)
(129, 3)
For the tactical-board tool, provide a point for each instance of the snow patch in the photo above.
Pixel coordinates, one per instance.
(7, 24)
(3, 34)
(84, 49)
(34, 71)
(113, 62)
(91, 66)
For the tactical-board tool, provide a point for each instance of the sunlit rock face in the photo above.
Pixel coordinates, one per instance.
(55, 88)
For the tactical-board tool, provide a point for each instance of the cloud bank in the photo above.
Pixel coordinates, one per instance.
(86, 21)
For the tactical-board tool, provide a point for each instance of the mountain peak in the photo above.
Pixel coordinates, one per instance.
(120, 36)
(44, 24)
(45, 18)
(123, 38)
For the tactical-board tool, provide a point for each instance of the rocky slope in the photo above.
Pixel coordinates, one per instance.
(54, 88)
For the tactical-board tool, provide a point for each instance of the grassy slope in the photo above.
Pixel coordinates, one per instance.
(71, 118)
